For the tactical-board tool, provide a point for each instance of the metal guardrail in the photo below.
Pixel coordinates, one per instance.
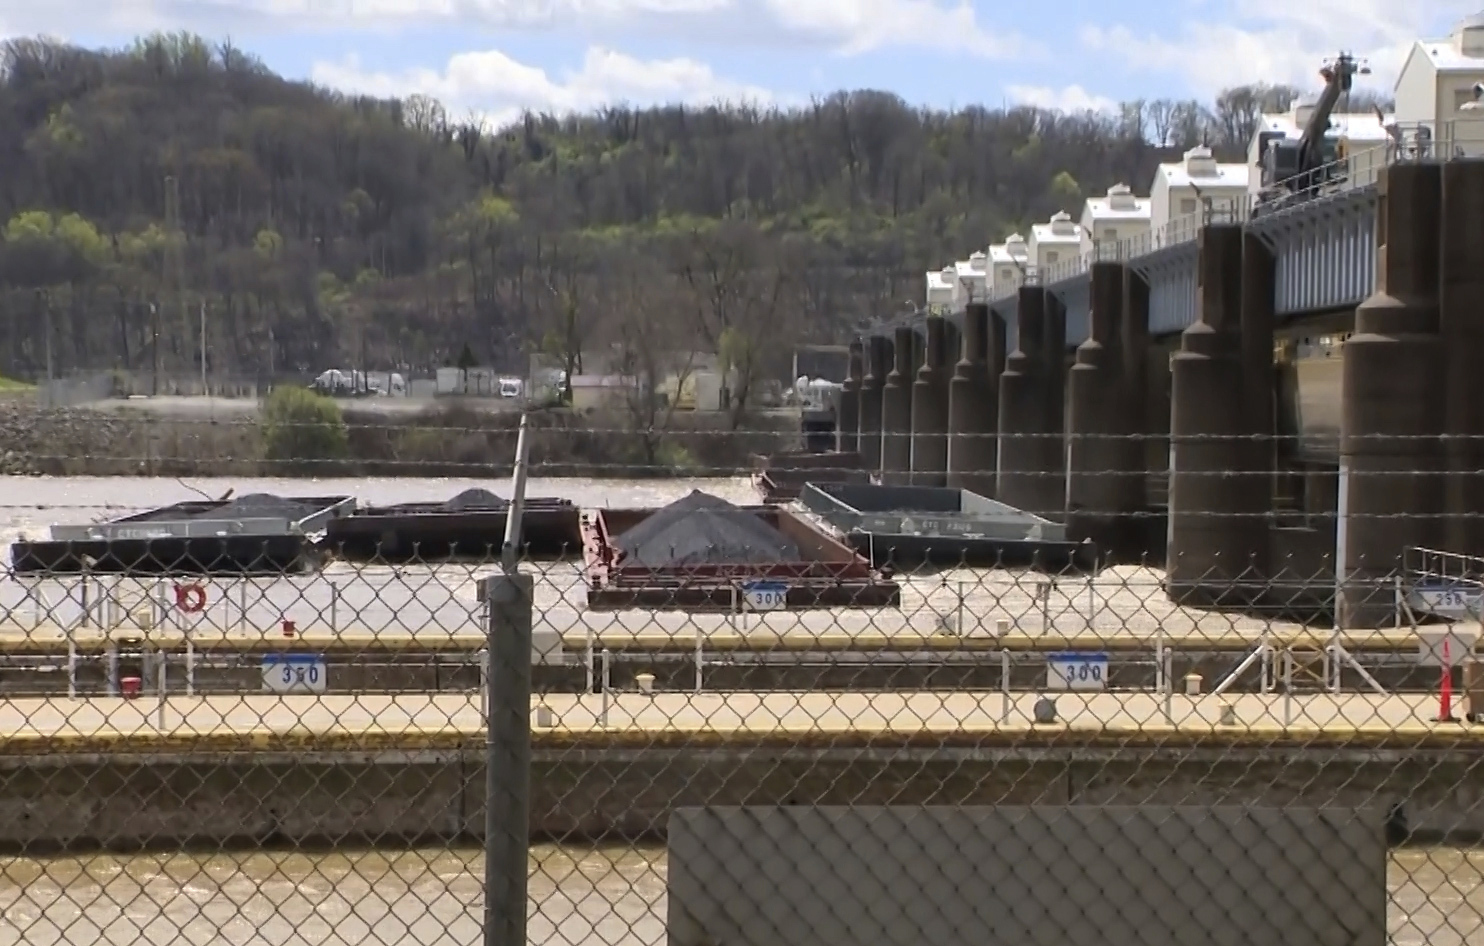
(1437, 141)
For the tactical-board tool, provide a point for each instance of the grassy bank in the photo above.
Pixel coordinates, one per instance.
(439, 442)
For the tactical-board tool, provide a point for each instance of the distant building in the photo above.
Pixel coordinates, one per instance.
(1182, 190)
(1116, 217)
(971, 280)
(940, 284)
(1053, 242)
(1007, 264)
(592, 392)
(1436, 98)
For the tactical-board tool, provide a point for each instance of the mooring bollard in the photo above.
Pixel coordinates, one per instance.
(605, 684)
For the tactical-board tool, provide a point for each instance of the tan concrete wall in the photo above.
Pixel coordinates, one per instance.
(233, 800)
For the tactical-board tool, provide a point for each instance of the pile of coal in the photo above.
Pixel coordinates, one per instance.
(259, 506)
(702, 529)
(476, 499)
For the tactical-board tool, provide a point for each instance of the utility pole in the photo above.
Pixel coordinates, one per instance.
(175, 261)
(46, 314)
(205, 390)
(154, 347)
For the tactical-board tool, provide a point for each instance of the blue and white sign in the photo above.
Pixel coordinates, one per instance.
(1453, 601)
(294, 673)
(764, 595)
(1076, 671)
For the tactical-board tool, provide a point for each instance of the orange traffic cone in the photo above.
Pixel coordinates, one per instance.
(1445, 693)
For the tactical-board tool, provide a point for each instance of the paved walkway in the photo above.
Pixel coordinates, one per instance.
(709, 720)
(397, 603)
(630, 636)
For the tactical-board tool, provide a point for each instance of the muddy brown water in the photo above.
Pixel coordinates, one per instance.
(601, 897)
(594, 896)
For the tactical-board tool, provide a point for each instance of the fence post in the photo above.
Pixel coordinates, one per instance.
(507, 758)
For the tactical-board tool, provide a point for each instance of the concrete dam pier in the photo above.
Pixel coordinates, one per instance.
(1260, 478)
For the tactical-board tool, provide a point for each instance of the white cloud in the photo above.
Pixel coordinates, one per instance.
(858, 26)
(499, 88)
(1280, 41)
(1072, 98)
(843, 25)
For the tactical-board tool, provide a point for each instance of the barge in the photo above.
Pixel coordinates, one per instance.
(905, 527)
(804, 568)
(469, 526)
(258, 533)
(779, 477)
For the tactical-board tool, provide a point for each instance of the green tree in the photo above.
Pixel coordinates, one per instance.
(302, 429)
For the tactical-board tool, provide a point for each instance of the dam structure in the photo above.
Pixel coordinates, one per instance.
(1260, 383)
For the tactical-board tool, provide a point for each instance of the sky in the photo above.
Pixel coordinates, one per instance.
(492, 59)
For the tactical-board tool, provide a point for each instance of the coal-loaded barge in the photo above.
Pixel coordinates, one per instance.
(699, 553)
(704, 553)
(255, 534)
(907, 527)
(471, 525)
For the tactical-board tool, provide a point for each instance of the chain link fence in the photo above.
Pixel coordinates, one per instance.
(738, 725)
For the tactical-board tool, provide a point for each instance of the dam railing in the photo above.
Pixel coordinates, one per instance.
(202, 756)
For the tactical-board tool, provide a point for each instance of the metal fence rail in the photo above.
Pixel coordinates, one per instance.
(242, 758)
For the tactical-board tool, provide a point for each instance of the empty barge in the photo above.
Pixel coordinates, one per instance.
(471, 525)
(779, 477)
(723, 558)
(254, 534)
(905, 527)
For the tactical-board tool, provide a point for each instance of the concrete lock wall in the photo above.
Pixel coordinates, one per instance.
(930, 408)
(847, 425)
(878, 359)
(1460, 303)
(237, 800)
(1031, 460)
(896, 411)
(1010, 875)
(1105, 474)
(1219, 490)
(973, 403)
(1391, 455)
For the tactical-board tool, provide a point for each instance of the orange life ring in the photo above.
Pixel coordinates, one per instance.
(190, 598)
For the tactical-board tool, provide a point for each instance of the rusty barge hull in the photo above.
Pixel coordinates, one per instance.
(830, 574)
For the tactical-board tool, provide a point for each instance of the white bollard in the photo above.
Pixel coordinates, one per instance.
(160, 672)
(606, 682)
(190, 659)
(592, 660)
(484, 685)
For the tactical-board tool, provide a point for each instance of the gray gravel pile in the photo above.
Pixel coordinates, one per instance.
(259, 506)
(476, 499)
(702, 529)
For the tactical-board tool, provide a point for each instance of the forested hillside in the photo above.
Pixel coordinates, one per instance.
(317, 230)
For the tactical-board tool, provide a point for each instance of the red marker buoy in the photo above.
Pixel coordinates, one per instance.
(1445, 693)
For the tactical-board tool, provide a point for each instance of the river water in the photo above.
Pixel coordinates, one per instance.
(595, 897)
(579, 895)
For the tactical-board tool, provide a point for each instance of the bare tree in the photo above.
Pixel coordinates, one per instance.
(736, 279)
(1161, 115)
(649, 338)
